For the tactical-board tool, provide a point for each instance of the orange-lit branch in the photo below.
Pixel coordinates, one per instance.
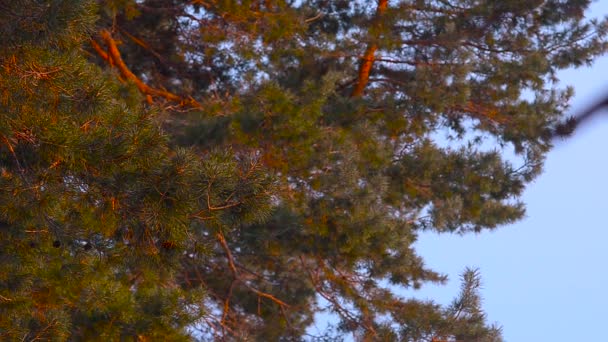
(112, 56)
(367, 61)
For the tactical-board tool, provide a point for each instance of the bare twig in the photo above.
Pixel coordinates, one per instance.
(12, 150)
(222, 240)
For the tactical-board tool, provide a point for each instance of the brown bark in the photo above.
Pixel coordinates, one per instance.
(367, 61)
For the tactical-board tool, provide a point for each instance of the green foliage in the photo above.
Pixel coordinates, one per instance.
(281, 195)
(98, 214)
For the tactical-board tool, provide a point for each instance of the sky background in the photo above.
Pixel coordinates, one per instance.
(545, 277)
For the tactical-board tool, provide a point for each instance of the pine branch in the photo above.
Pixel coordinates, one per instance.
(113, 57)
(332, 297)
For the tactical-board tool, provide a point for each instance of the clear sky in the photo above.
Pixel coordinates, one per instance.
(545, 278)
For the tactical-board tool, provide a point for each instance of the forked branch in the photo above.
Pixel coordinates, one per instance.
(112, 55)
(235, 273)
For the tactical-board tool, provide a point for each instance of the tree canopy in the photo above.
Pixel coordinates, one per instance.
(219, 169)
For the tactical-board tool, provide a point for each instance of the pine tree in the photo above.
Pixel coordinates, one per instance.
(281, 162)
(98, 213)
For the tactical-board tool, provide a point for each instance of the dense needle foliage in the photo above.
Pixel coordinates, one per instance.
(175, 170)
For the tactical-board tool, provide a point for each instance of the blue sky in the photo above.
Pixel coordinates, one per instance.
(545, 277)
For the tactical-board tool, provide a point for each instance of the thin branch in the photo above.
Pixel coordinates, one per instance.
(331, 297)
(311, 19)
(44, 231)
(142, 44)
(226, 309)
(12, 150)
(101, 52)
(222, 240)
(226, 204)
